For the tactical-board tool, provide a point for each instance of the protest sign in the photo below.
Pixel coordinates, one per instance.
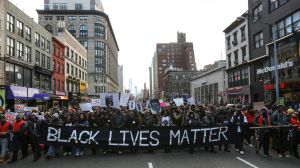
(95, 102)
(178, 101)
(85, 106)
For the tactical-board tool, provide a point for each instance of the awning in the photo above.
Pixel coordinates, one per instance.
(41, 96)
(24, 93)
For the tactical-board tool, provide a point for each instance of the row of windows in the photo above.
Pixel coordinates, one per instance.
(64, 6)
(75, 57)
(236, 57)
(274, 4)
(58, 85)
(76, 72)
(99, 89)
(39, 40)
(58, 68)
(238, 77)
(42, 60)
(286, 25)
(72, 87)
(234, 42)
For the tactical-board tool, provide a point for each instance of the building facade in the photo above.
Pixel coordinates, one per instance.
(87, 22)
(280, 18)
(179, 55)
(237, 58)
(120, 78)
(26, 65)
(58, 77)
(75, 67)
(177, 82)
(209, 87)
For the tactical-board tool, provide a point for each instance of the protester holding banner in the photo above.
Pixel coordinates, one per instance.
(5, 130)
(295, 120)
(177, 116)
(119, 121)
(239, 121)
(263, 119)
(209, 121)
(68, 123)
(249, 114)
(278, 118)
(19, 139)
(34, 135)
(81, 122)
(222, 119)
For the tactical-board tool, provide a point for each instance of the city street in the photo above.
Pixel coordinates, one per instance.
(159, 159)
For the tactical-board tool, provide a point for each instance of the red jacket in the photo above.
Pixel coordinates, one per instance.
(250, 118)
(295, 121)
(18, 126)
(260, 121)
(5, 127)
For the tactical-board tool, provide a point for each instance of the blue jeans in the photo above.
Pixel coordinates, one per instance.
(52, 150)
(3, 147)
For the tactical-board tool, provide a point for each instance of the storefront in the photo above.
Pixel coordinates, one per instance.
(237, 95)
(59, 99)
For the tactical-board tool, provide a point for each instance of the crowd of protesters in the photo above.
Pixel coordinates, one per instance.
(279, 123)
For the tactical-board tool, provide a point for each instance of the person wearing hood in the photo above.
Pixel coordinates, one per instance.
(263, 119)
(34, 135)
(5, 130)
(19, 139)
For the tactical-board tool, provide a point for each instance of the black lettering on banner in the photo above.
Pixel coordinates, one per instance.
(146, 137)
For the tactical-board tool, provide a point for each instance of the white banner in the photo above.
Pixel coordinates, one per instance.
(109, 100)
(95, 102)
(178, 101)
(124, 99)
(131, 105)
(191, 101)
(139, 106)
(85, 106)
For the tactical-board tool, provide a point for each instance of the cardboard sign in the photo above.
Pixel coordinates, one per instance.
(95, 102)
(258, 105)
(178, 101)
(85, 106)
(191, 101)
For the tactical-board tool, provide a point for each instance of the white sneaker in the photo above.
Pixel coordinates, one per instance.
(69, 153)
(77, 154)
(104, 152)
(81, 153)
(65, 154)
(287, 156)
(237, 150)
(251, 146)
(242, 152)
(280, 155)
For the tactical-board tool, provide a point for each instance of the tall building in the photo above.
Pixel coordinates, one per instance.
(179, 54)
(280, 18)
(237, 57)
(75, 59)
(209, 87)
(87, 22)
(120, 78)
(26, 57)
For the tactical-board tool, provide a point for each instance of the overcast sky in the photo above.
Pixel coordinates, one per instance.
(140, 24)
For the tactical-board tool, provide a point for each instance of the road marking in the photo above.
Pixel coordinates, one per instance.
(248, 163)
(150, 165)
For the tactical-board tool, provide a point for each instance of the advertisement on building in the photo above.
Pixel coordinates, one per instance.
(2, 99)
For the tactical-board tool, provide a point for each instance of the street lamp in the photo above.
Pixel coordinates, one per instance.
(275, 53)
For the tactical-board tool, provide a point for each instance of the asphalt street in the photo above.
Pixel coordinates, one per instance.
(159, 159)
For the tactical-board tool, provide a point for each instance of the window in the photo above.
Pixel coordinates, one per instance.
(79, 74)
(67, 51)
(82, 18)
(78, 6)
(54, 66)
(72, 30)
(243, 34)
(37, 57)
(43, 43)
(62, 18)
(100, 45)
(236, 57)
(62, 69)
(55, 6)
(79, 60)
(98, 60)
(72, 55)
(235, 41)
(84, 44)
(99, 31)
(83, 31)
(274, 4)
(20, 28)
(243, 54)
(10, 50)
(68, 66)
(98, 69)
(48, 47)
(228, 43)
(49, 28)
(47, 6)
(76, 72)
(229, 60)
(48, 17)
(27, 54)
(72, 70)
(63, 6)
(48, 62)
(20, 51)
(76, 57)
(58, 67)
(37, 39)
(71, 18)
(27, 33)
(10, 23)
(43, 59)
(296, 20)
(259, 40)
(257, 13)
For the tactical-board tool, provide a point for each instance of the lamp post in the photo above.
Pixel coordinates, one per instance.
(275, 53)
